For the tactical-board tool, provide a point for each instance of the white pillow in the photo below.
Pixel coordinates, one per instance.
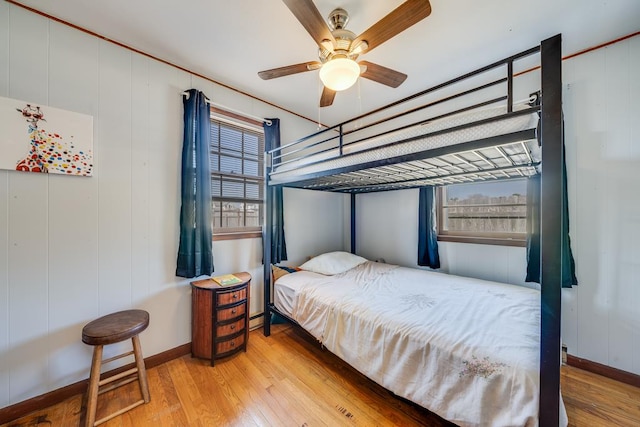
(333, 263)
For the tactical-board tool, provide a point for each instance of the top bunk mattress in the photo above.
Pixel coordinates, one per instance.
(480, 124)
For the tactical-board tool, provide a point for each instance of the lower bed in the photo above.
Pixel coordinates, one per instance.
(466, 349)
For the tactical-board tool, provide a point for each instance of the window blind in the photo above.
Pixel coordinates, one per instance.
(237, 176)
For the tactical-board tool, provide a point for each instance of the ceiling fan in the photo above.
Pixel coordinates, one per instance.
(339, 47)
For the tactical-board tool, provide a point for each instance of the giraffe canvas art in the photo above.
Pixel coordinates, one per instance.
(37, 138)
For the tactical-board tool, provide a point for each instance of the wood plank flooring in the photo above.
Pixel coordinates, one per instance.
(288, 380)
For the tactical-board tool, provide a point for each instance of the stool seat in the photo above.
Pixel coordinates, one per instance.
(111, 329)
(115, 327)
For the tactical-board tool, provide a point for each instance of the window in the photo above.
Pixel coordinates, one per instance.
(237, 176)
(486, 212)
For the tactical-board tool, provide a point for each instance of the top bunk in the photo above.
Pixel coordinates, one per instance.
(477, 127)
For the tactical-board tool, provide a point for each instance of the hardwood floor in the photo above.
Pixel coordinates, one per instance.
(593, 400)
(288, 380)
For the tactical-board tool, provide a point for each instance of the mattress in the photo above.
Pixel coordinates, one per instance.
(285, 290)
(466, 349)
(420, 138)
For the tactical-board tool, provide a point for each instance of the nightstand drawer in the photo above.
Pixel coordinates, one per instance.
(230, 329)
(231, 312)
(230, 345)
(232, 297)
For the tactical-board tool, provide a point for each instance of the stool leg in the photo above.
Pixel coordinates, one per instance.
(92, 391)
(142, 371)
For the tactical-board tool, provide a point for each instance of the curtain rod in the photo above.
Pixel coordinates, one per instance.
(231, 110)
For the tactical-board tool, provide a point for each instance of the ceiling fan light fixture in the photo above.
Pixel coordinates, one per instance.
(339, 73)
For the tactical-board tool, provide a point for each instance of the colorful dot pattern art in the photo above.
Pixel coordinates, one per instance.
(50, 152)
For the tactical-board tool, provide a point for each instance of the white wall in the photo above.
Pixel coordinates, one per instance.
(308, 236)
(74, 248)
(601, 316)
(387, 227)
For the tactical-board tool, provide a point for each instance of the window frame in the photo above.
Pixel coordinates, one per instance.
(237, 120)
(501, 239)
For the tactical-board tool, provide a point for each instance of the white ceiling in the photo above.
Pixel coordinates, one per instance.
(231, 40)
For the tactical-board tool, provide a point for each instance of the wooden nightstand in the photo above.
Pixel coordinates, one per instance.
(219, 318)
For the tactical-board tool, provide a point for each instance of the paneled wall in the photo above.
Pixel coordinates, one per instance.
(75, 248)
(601, 316)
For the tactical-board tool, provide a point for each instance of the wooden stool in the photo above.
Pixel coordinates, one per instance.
(111, 329)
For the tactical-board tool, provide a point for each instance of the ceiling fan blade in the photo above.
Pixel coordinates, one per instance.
(381, 74)
(326, 99)
(289, 69)
(398, 20)
(309, 16)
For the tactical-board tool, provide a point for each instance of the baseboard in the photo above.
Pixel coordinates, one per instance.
(166, 356)
(25, 407)
(604, 370)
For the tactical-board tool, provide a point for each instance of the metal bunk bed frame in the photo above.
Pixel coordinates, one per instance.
(550, 137)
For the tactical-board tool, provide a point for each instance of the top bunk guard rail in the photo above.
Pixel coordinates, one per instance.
(434, 103)
(276, 157)
(510, 59)
(359, 140)
(341, 135)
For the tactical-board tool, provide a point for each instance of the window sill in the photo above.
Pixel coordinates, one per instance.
(237, 236)
(483, 240)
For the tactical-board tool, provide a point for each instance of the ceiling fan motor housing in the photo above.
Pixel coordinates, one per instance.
(343, 44)
(338, 19)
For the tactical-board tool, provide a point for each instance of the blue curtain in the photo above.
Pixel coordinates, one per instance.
(427, 235)
(568, 266)
(569, 278)
(195, 257)
(278, 243)
(533, 229)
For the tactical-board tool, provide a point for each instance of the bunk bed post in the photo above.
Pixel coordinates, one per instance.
(266, 245)
(353, 223)
(551, 225)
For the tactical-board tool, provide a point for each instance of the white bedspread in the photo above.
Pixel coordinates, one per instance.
(463, 348)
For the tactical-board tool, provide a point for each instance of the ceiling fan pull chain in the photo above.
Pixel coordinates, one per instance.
(321, 87)
(358, 122)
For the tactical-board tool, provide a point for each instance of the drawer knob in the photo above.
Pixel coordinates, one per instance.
(235, 296)
(233, 343)
(233, 327)
(233, 311)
